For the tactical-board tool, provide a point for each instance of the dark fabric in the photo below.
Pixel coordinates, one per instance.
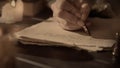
(102, 9)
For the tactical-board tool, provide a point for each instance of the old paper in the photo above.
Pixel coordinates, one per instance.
(49, 31)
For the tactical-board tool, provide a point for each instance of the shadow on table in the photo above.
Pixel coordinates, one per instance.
(56, 52)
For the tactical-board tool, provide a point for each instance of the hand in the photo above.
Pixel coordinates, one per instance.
(71, 14)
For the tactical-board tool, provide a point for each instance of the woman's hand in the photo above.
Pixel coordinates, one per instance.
(71, 14)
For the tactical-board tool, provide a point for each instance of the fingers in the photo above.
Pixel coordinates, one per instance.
(76, 3)
(85, 9)
(77, 8)
(73, 12)
(68, 6)
(72, 22)
(68, 16)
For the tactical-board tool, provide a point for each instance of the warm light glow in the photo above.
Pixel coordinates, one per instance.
(13, 4)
